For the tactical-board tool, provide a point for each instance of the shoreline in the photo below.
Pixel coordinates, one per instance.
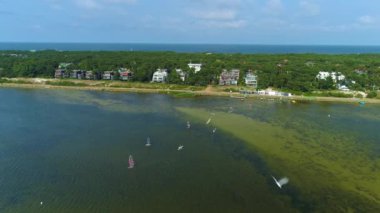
(209, 91)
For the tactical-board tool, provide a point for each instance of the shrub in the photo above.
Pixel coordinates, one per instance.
(358, 95)
(3, 80)
(372, 94)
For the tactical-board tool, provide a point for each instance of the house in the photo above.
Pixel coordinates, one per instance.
(108, 75)
(196, 67)
(336, 76)
(125, 74)
(77, 74)
(160, 76)
(60, 73)
(90, 75)
(251, 79)
(229, 77)
(181, 73)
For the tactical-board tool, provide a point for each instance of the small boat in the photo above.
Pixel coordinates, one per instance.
(188, 125)
(131, 162)
(214, 130)
(180, 147)
(148, 142)
(362, 103)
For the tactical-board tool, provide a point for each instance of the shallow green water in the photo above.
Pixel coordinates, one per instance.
(70, 150)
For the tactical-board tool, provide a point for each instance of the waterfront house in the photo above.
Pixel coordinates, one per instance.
(196, 67)
(60, 73)
(160, 76)
(229, 77)
(181, 73)
(90, 75)
(251, 79)
(336, 76)
(77, 74)
(125, 74)
(108, 75)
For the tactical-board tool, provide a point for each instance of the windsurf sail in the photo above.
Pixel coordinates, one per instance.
(131, 162)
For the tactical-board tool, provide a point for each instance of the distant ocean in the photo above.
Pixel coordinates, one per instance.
(194, 48)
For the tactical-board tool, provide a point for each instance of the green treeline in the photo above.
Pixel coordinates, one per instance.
(292, 72)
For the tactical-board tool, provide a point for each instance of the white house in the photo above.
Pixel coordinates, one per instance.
(251, 79)
(181, 73)
(336, 76)
(196, 67)
(160, 76)
(108, 75)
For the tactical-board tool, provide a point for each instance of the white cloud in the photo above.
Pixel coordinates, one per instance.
(224, 14)
(309, 8)
(226, 24)
(120, 1)
(36, 27)
(274, 7)
(218, 3)
(88, 4)
(55, 4)
(366, 20)
(100, 4)
(217, 13)
(271, 23)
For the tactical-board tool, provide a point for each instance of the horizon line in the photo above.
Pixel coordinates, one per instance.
(179, 43)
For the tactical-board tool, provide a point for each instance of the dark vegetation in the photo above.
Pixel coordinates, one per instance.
(288, 72)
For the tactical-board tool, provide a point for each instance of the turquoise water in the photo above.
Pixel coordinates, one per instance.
(213, 48)
(69, 149)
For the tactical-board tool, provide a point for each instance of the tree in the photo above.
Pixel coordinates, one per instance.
(174, 78)
(326, 84)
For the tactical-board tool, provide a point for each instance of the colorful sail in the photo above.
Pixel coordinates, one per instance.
(131, 162)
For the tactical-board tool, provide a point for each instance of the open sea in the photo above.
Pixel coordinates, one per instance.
(190, 48)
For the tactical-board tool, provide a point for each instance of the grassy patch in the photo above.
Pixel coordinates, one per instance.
(15, 81)
(65, 83)
(329, 94)
(158, 86)
(183, 94)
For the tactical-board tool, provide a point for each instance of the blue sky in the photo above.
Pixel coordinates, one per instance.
(192, 21)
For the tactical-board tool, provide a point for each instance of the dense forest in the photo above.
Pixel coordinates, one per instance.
(292, 72)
